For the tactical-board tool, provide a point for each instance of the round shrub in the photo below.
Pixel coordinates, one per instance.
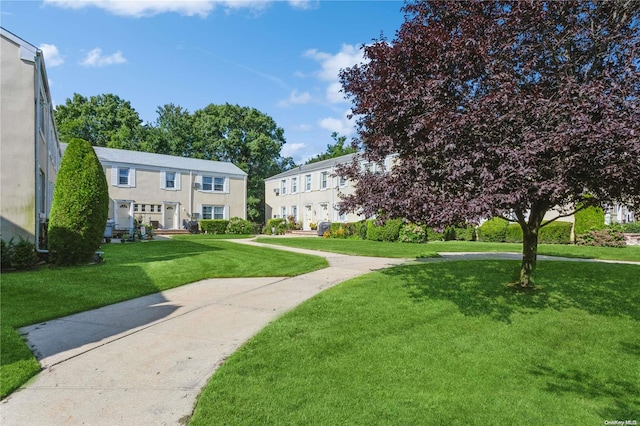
(412, 233)
(493, 230)
(80, 206)
(557, 232)
(239, 226)
(513, 233)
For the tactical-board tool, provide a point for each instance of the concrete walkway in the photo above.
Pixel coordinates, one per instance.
(144, 361)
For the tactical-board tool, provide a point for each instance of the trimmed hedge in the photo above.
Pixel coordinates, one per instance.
(80, 206)
(390, 231)
(493, 230)
(18, 255)
(589, 219)
(214, 226)
(361, 229)
(556, 232)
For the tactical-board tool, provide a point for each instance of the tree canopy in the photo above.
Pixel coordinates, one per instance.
(500, 109)
(334, 150)
(102, 120)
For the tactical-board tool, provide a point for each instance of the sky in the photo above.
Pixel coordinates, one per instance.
(280, 57)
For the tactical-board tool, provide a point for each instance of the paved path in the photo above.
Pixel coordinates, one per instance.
(144, 361)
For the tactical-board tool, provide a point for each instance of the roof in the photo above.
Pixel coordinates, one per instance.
(172, 162)
(313, 167)
(27, 50)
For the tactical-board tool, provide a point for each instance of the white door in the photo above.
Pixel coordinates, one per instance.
(123, 215)
(170, 212)
(308, 217)
(324, 212)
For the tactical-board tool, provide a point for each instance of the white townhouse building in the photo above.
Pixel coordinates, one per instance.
(29, 149)
(311, 193)
(165, 190)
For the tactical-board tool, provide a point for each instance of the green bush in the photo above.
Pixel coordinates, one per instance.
(556, 232)
(433, 235)
(5, 254)
(631, 228)
(413, 233)
(513, 233)
(80, 206)
(342, 230)
(374, 233)
(277, 224)
(493, 230)
(240, 226)
(389, 231)
(361, 229)
(465, 233)
(588, 219)
(214, 226)
(23, 254)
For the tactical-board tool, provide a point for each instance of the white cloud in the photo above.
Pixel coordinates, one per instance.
(342, 125)
(302, 128)
(145, 8)
(295, 98)
(330, 66)
(51, 54)
(95, 59)
(292, 149)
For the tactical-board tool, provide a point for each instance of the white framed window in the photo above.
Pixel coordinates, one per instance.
(324, 179)
(283, 187)
(294, 185)
(307, 183)
(135, 207)
(283, 211)
(170, 180)
(213, 212)
(213, 184)
(143, 207)
(342, 181)
(123, 177)
(294, 212)
(152, 207)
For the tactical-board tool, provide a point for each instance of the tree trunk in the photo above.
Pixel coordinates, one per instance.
(529, 255)
(530, 231)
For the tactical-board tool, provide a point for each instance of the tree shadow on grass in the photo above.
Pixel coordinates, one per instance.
(623, 394)
(158, 251)
(479, 287)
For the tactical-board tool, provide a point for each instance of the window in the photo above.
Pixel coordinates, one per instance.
(294, 212)
(283, 186)
(294, 185)
(218, 184)
(307, 183)
(135, 207)
(170, 180)
(212, 212)
(158, 209)
(210, 183)
(323, 180)
(283, 210)
(151, 207)
(123, 176)
(343, 181)
(143, 207)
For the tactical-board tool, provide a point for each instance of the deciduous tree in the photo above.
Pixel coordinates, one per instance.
(500, 109)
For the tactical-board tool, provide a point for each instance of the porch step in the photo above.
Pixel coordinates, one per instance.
(170, 232)
(303, 233)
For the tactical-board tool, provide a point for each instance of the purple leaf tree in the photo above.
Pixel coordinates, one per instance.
(507, 109)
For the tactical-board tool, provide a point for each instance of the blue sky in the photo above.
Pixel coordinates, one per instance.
(281, 57)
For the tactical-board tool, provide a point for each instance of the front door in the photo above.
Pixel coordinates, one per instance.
(123, 215)
(170, 216)
(308, 217)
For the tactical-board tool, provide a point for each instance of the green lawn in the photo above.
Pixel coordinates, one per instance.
(444, 343)
(382, 249)
(129, 271)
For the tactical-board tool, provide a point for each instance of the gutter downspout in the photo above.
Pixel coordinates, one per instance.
(190, 195)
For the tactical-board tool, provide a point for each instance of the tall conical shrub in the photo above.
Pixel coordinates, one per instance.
(80, 206)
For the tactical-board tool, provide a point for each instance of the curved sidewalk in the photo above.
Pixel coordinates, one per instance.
(144, 361)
